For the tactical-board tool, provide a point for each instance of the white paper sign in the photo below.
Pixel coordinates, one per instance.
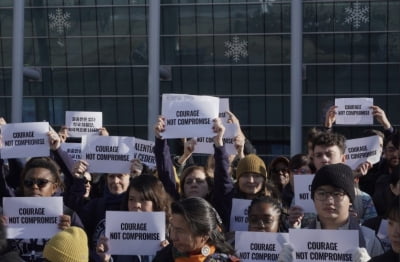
(302, 192)
(259, 246)
(135, 233)
(108, 154)
(144, 151)
(83, 123)
(354, 111)
(361, 150)
(25, 140)
(239, 217)
(73, 150)
(32, 217)
(223, 107)
(188, 115)
(204, 145)
(323, 244)
(383, 235)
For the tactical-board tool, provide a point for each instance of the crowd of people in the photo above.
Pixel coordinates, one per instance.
(197, 200)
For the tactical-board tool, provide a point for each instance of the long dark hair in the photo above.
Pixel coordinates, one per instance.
(203, 219)
(151, 188)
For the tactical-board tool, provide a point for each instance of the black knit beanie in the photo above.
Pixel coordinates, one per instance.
(335, 175)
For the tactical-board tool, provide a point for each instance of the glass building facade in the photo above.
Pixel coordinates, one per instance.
(94, 57)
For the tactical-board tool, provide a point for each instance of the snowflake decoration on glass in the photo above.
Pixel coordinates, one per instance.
(236, 49)
(265, 4)
(356, 14)
(59, 20)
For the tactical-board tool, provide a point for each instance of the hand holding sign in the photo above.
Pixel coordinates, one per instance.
(219, 129)
(159, 127)
(380, 116)
(54, 140)
(330, 117)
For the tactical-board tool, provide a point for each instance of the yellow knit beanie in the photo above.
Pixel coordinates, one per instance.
(69, 245)
(251, 164)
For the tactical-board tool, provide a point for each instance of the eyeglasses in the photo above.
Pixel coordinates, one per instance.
(86, 181)
(260, 221)
(197, 180)
(40, 182)
(323, 195)
(301, 171)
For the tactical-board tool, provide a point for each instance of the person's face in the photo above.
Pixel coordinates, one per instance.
(182, 238)
(39, 182)
(195, 184)
(326, 155)
(137, 203)
(88, 183)
(264, 217)
(394, 234)
(282, 170)
(117, 183)
(332, 204)
(303, 170)
(392, 154)
(251, 183)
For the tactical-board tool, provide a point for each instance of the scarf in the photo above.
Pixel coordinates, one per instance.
(185, 257)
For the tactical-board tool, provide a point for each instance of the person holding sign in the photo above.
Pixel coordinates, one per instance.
(394, 234)
(332, 191)
(145, 194)
(195, 181)
(41, 178)
(196, 234)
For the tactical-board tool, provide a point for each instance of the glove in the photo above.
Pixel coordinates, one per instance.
(286, 254)
(360, 254)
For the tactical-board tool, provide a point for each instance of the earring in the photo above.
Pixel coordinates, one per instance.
(205, 250)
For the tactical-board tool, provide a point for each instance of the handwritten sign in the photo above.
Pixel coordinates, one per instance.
(204, 145)
(144, 151)
(354, 111)
(32, 217)
(323, 244)
(259, 246)
(361, 150)
(239, 216)
(73, 150)
(135, 233)
(25, 140)
(108, 154)
(83, 123)
(302, 192)
(188, 115)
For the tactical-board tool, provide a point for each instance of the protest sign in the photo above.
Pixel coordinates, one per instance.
(302, 192)
(223, 107)
(204, 145)
(32, 217)
(135, 233)
(383, 235)
(354, 111)
(239, 218)
(108, 154)
(144, 151)
(364, 149)
(259, 246)
(323, 244)
(188, 115)
(81, 123)
(73, 150)
(25, 140)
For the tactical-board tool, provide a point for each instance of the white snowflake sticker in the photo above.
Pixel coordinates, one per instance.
(357, 14)
(265, 5)
(236, 48)
(59, 22)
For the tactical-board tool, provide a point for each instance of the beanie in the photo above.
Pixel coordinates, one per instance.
(335, 175)
(69, 245)
(251, 164)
